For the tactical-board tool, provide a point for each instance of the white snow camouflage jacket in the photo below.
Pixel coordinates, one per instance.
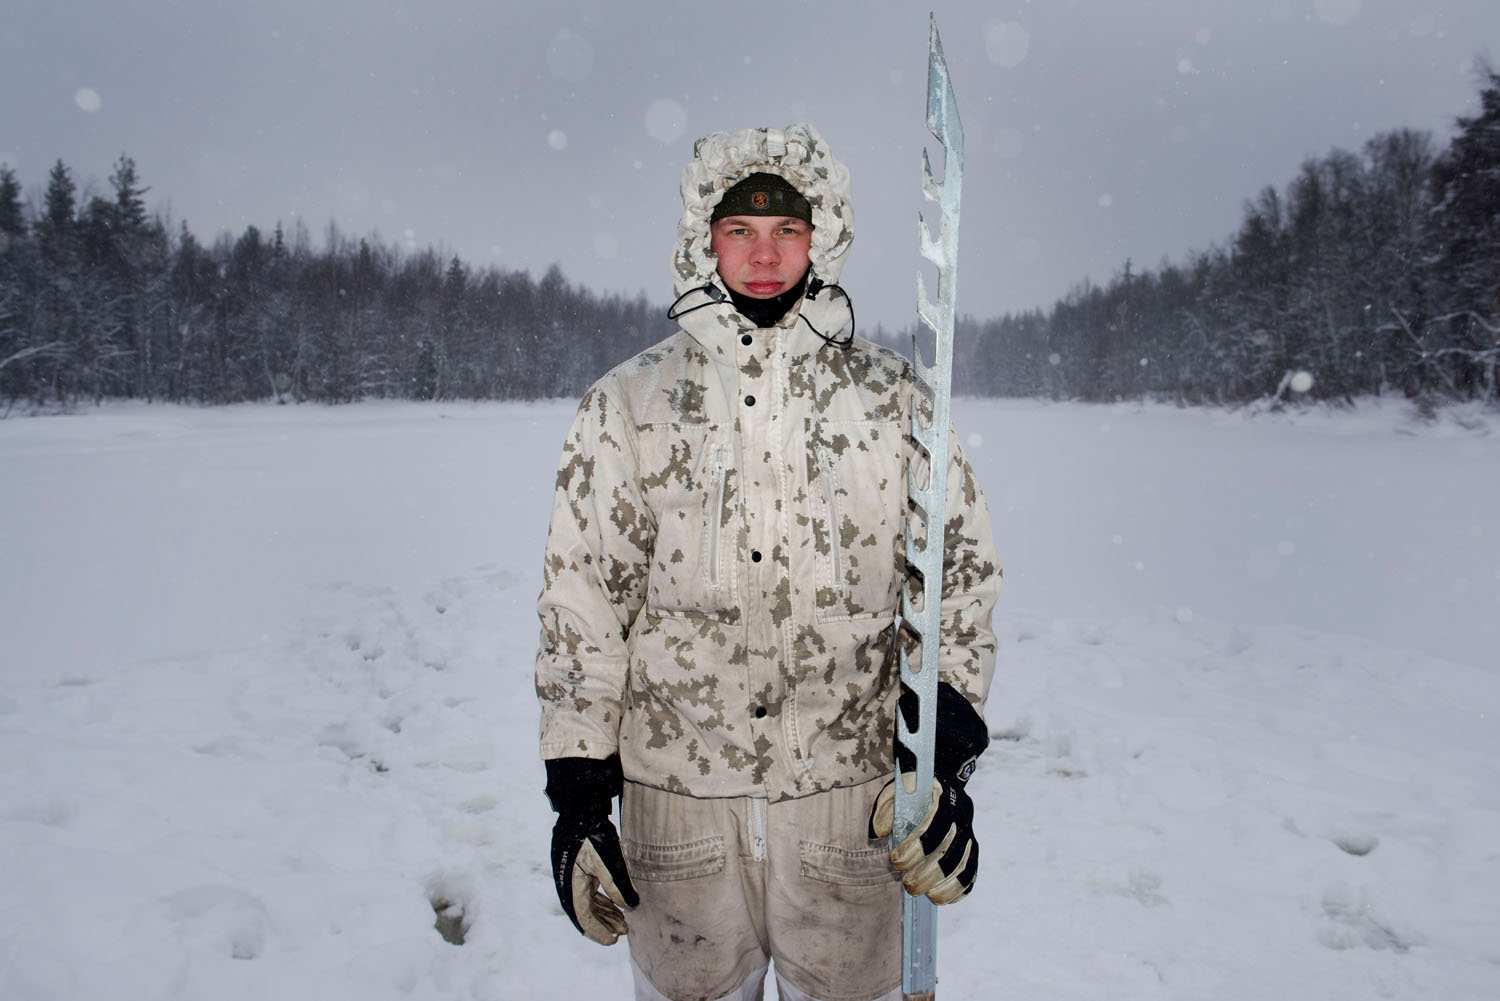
(725, 550)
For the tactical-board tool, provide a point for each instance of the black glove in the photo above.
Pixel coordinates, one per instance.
(940, 857)
(586, 855)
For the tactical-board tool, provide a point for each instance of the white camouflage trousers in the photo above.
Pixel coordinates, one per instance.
(731, 886)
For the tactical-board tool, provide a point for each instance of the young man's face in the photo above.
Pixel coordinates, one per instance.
(761, 256)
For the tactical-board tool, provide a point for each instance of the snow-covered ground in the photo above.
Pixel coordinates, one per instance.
(266, 704)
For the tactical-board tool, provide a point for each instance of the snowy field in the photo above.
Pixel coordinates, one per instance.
(266, 707)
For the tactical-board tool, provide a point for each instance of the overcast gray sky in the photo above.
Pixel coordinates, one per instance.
(522, 134)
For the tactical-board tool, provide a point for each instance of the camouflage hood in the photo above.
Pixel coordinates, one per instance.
(796, 153)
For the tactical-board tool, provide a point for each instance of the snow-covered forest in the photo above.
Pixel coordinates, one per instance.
(1369, 272)
(100, 301)
(1374, 271)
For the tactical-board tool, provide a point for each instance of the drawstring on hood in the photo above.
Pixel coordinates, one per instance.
(713, 295)
(845, 341)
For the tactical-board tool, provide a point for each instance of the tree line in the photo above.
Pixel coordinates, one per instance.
(1369, 272)
(99, 300)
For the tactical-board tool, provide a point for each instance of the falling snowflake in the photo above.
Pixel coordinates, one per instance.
(570, 57)
(1006, 43)
(665, 120)
(1337, 11)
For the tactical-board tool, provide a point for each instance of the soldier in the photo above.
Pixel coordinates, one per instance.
(718, 642)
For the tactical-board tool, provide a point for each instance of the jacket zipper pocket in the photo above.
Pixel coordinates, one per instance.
(830, 497)
(715, 515)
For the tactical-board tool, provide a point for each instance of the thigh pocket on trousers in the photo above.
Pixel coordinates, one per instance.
(846, 866)
(668, 863)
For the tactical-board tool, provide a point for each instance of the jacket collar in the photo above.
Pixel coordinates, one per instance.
(709, 317)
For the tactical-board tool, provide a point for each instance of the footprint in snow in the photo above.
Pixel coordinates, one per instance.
(451, 896)
(56, 813)
(1350, 920)
(1354, 844)
(480, 804)
(223, 919)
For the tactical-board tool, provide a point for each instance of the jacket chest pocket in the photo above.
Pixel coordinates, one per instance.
(691, 484)
(856, 483)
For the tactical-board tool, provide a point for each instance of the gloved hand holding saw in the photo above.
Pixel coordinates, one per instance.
(940, 858)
